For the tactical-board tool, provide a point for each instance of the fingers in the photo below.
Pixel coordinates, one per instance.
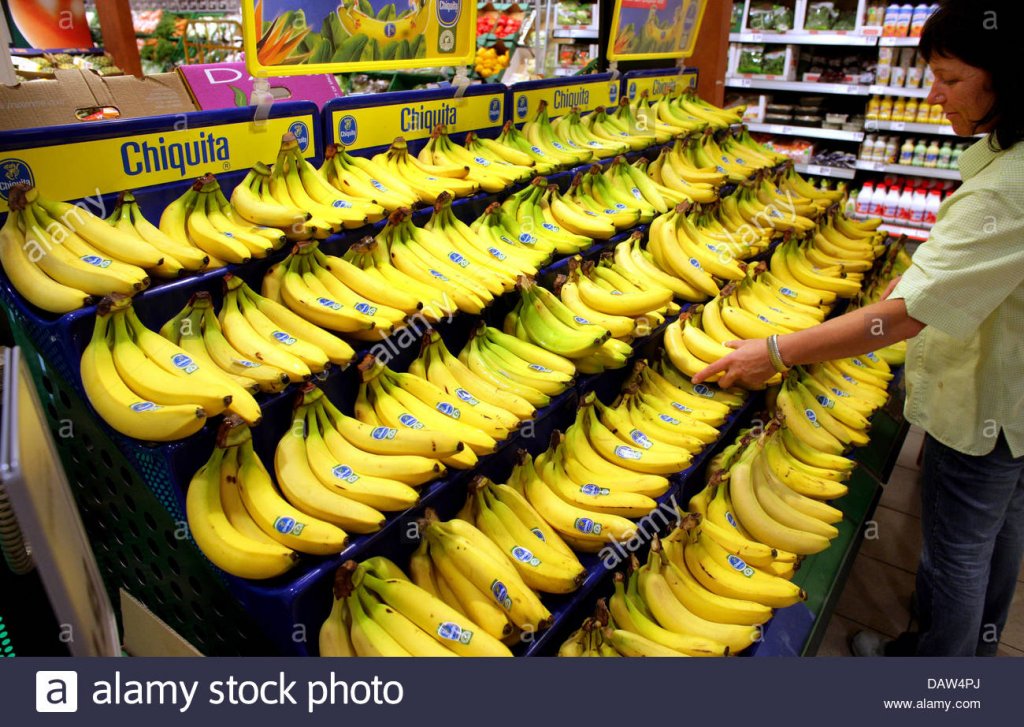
(720, 365)
(733, 344)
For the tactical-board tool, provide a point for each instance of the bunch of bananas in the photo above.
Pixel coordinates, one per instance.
(678, 247)
(196, 329)
(601, 295)
(402, 401)
(459, 564)
(540, 132)
(203, 217)
(821, 409)
(315, 287)
(179, 258)
(489, 61)
(145, 386)
(489, 164)
(544, 220)
(366, 180)
(378, 611)
(514, 139)
(266, 332)
(441, 368)
(737, 157)
(675, 170)
(543, 560)
(426, 179)
(895, 263)
(514, 365)
(575, 133)
(541, 318)
(348, 473)
(641, 266)
(239, 520)
(488, 243)
(61, 257)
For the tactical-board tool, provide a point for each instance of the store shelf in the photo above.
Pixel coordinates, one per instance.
(898, 42)
(842, 89)
(875, 90)
(912, 171)
(823, 171)
(808, 131)
(809, 37)
(914, 233)
(575, 33)
(910, 127)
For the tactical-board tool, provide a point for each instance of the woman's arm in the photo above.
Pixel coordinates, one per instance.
(866, 329)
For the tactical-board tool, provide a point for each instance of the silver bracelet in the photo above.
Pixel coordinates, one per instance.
(774, 355)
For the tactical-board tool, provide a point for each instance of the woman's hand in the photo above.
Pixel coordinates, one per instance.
(749, 365)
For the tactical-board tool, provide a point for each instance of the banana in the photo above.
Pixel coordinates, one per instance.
(101, 235)
(228, 549)
(803, 421)
(685, 643)
(614, 450)
(804, 479)
(334, 638)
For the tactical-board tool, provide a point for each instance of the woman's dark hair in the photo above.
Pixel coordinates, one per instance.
(984, 34)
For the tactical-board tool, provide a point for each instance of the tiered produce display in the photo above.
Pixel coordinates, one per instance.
(607, 287)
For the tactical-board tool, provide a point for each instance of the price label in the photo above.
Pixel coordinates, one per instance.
(853, 89)
(778, 129)
(898, 125)
(756, 38)
(820, 171)
(871, 125)
(744, 83)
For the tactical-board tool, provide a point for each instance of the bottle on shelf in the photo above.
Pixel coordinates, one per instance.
(954, 159)
(883, 71)
(878, 201)
(885, 109)
(850, 206)
(936, 115)
(907, 152)
(931, 156)
(915, 73)
(904, 19)
(906, 202)
(867, 148)
(910, 111)
(899, 110)
(921, 13)
(917, 206)
(923, 113)
(931, 208)
(872, 111)
(865, 199)
(945, 156)
(891, 150)
(898, 76)
(890, 211)
(920, 152)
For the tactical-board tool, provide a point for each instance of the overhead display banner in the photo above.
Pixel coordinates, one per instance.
(653, 29)
(306, 37)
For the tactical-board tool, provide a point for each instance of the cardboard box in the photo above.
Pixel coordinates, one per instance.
(229, 85)
(56, 102)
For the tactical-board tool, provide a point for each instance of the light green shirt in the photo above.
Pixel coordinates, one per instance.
(965, 370)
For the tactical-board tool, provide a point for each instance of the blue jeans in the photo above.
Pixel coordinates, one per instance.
(973, 526)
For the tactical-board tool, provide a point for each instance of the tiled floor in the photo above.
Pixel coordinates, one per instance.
(877, 593)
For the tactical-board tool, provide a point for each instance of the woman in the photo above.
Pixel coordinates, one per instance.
(962, 305)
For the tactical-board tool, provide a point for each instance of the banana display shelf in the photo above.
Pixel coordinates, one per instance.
(132, 493)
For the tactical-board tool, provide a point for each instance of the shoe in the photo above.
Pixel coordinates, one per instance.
(869, 643)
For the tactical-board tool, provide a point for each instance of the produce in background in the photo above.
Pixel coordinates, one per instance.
(489, 61)
(427, 180)
(267, 332)
(239, 519)
(472, 574)
(178, 258)
(198, 332)
(378, 611)
(59, 256)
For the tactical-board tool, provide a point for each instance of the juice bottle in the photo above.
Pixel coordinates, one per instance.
(899, 110)
(892, 150)
(910, 114)
(872, 112)
(920, 152)
(931, 207)
(917, 207)
(885, 109)
(907, 152)
(867, 149)
(906, 201)
(892, 16)
(903, 20)
(936, 115)
(921, 13)
(954, 159)
(931, 157)
(945, 155)
(878, 201)
(892, 204)
(923, 112)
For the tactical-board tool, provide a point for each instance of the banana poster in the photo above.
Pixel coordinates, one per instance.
(302, 37)
(651, 29)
